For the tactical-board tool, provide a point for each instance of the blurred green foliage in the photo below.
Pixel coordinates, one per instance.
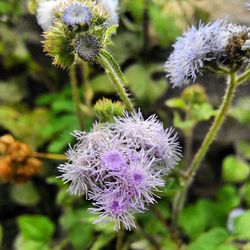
(36, 107)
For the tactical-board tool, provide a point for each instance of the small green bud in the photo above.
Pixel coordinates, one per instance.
(194, 95)
(106, 110)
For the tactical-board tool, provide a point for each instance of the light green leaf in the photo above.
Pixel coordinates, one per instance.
(176, 103)
(234, 170)
(25, 194)
(36, 227)
(244, 149)
(211, 240)
(242, 226)
(241, 111)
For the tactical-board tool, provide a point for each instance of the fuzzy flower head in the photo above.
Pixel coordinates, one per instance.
(44, 15)
(216, 42)
(120, 166)
(79, 31)
(192, 50)
(77, 13)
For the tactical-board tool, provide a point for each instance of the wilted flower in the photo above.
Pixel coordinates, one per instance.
(119, 166)
(17, 163)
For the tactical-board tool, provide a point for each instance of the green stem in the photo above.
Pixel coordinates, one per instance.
(119, 241)
(113, 70)
(86, 86)
(243, 77)
(75, 95)
(56, 157)
(180, 197)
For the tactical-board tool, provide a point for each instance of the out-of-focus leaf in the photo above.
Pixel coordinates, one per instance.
(36, 227)
(176, 103)
(182, 124)
(241, 226)
(164, 25)
(25, 194)
(245, 193)
(24, 124)
(241, 110)
(74, 221)
(102, 241)
(102, 84)
(22, 243)
(235, 170)
(210, 240)
(12, 92)
(141, 83)
(195, 219)
(244, 149)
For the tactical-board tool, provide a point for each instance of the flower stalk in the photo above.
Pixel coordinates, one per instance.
(113, 70)
(180, 197)
(75, 95)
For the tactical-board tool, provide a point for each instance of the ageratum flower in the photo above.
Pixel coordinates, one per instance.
(192, 50)
(44, 15)
(120, 166)
(77, 13)
(111, 7)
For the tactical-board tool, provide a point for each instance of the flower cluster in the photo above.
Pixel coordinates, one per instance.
(207, 44)
(119, 166)
(76, 29)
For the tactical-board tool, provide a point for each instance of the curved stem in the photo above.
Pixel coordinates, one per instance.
(75, 95)
(119, 241)
(57, 157)
(180, 197)
(113, 70)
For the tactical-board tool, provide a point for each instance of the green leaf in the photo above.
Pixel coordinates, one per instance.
(182, 124)
(241, 111)
(25, 194)
(242, 226)
(145, 89)
(36, 227)
(164, 25)
(245, 193)
(74, 221)
(22, 243)
(1, 236)
(234, 170)
(176, 103)
(244, 149)
(195, 219)
(211, 240)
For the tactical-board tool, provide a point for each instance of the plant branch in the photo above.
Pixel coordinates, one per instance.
(56, 157)
(180, 197)
(75, 95)
(113, 70)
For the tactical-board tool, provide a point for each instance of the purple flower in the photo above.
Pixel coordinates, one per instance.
(77, 14)
(120, 166)
(192, 50)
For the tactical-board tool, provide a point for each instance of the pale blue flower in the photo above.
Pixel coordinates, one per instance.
(192, 50)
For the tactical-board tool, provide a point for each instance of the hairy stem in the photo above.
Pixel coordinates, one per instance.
(86, 87)
(180, 197)
(75, 95)
(56, 157)
(243, 77)
(113, 70)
